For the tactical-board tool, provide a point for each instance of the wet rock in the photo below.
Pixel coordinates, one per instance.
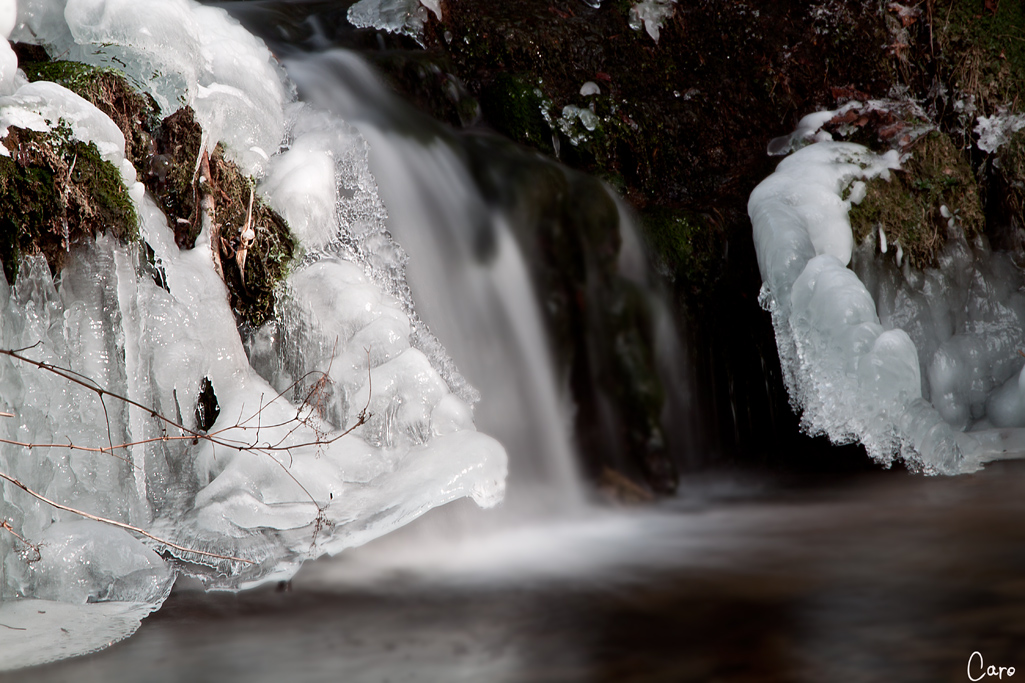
(54, 192)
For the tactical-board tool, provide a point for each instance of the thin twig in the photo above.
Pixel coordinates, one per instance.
(35, 548)
(120, 525)
(216, 438)
(89, 384)
(208, 207)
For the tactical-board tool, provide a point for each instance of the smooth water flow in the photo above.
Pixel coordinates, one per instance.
(467, 275)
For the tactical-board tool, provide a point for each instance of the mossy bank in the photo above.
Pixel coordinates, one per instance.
(55, 190)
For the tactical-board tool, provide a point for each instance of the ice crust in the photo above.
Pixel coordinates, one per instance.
(922, 365)
(272, 490)
(994, 131)
(651, 15)
(182, 54)
(406, 17)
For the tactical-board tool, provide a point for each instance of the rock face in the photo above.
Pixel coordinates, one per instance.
(93, 196)
(680, 128)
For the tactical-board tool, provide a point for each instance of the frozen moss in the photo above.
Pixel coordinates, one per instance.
(908, 207)
(54, 191)
(110, 92)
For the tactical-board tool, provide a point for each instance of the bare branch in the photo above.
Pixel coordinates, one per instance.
(35, 548)
(306, 416)
(113, 522)
(208, 207)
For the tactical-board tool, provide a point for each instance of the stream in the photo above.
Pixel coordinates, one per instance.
(738, 576)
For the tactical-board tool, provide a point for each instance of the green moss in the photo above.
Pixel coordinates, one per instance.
(55, 191)
(1012, 171)
(253, 293)
(688, 247)
(983, 52)
(513, 104)
(908, 206)
(110, 92)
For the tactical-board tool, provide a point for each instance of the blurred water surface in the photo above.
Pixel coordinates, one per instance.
(884, 576)
(744, 577)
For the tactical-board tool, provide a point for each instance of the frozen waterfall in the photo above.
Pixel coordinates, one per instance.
(381, 432)
(482, 307)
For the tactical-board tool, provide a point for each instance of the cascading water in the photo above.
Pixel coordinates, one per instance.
(304, 486)
(727, 580)
(381, 435)
(469, 277)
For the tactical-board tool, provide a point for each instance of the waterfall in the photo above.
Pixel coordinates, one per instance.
(467, 275)
(409, 321)
(360, 422)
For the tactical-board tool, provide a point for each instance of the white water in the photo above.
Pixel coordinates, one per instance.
(484, 310)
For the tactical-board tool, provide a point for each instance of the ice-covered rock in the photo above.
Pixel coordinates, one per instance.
(921, 364)
(651, 15)
(182, 54)
(42, 106)
(406, 17)
(334, 424)
(853, 380)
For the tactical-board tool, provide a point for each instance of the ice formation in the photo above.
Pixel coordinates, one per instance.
(651, 15)
(280, 478)
(396, 16)
(996, 130)
(922, 365)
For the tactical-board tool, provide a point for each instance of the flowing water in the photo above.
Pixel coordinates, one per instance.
(886, 576)
(738, 578)
(482, 306)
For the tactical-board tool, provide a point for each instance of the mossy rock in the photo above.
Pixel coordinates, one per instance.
(252, 288)
(170, 174)
(110, 92)
(425, 78)
(513, 104)
(630, 377)
(687, 247)
(55, 191)
(908, 206)
(1010, 167)
(982, 50)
